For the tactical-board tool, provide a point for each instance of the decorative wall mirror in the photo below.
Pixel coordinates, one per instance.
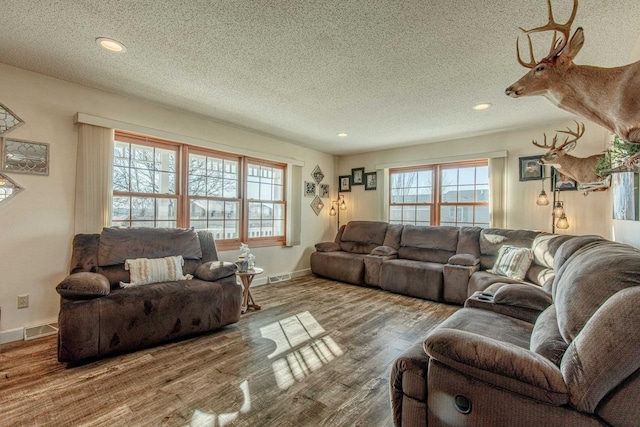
(25, 156)
(8, 120)
(8, 188)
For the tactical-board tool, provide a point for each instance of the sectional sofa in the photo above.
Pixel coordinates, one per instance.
(446, 264)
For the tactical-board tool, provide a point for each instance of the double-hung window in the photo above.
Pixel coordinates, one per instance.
(455, 194)
(158, 183)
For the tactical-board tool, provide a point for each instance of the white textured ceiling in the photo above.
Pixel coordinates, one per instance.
(389, 73)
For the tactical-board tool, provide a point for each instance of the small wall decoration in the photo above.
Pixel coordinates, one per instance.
(317, 174)
(317, 205)
(25, 156)
(370, 180)
(324, 190)
(309, 189)
(357, 176)
(344, 183)
(626, 196)
(531, 168)
(8, 120)
(562, 182)
(8, 188)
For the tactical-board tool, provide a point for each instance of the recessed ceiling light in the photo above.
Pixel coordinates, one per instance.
(111, 45)
(342, 134)
(482, 106)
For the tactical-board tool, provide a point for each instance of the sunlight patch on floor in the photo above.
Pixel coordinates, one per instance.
(302, 348)
(204, 419)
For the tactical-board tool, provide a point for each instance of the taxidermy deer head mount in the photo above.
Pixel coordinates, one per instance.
(579, 169)
(607, 96)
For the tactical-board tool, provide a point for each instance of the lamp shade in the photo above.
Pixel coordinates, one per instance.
(562, 223)
(332, 211)
(543, 199)
(558, 210)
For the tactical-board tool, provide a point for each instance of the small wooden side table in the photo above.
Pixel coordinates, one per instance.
(246, 277)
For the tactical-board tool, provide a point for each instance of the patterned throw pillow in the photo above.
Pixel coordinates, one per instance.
(513, 262)
(143, 271)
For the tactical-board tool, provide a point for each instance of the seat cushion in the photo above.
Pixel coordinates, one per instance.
(343, 266)
(414, 278)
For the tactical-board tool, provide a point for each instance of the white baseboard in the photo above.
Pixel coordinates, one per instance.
(11, 335)
(300, 273)
(263, 280)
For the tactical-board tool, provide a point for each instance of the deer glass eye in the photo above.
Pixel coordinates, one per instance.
(540, 68)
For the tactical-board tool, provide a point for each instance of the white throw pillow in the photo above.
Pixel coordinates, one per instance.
(513, 262)
(143, 271)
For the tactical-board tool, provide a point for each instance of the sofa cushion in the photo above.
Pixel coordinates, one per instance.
(143, 271)
(492, 239)
(432, 244)
(469, 241)
(362, 237)
(512, 262)
(384, 251)
(546, 339)
(119, 244)
(339, 265)
(581, 287)
(84, 285)
(327, 247)
(523, 295)
(414, 278)
(464, 259)
(214, 270)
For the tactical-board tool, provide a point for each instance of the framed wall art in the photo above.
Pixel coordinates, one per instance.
(344, 183)
(8, 120)
(25, 156)
(317, 174)
(562, 182)
(370, 180)
(357, 176)
(324, 190)
(531, 169)
(309, 189)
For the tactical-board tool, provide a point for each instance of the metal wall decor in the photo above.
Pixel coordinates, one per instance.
(8, 188)
(324, 190)
(8, 120)
(317, 205)
(25, 156)
(309, 189)
(317, 174)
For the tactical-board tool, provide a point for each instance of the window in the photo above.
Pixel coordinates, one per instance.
(237, 198)
(455, 194)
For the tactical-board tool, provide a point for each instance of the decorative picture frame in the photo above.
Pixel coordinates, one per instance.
(8, 188)
(22, 156)
(317, 204)
(323, 190)
(562, 182)
(344, 183)
(8, 120)
(309, 189)
(370, 180)
(317, 174)
(357, 176)
(531, 169)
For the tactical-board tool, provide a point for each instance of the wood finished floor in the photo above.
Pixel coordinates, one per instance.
(326, 363)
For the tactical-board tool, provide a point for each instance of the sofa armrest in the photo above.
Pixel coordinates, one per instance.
(215, 270)
(386, 251)
(464, 259)
(84, 285)
(526, 296)
(501, 364)
(327, 247)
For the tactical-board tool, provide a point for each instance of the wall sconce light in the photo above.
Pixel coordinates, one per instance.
(558, 209)
(340, 205)
(543, 199)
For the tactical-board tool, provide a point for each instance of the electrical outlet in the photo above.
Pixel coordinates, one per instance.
(23, 301)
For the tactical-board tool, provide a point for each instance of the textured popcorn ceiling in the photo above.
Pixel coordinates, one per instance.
(390, 73)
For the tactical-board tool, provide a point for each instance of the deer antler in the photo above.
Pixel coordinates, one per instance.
(553, 142)
(557, 44)
(576, 135)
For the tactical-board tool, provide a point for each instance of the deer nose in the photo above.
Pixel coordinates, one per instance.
(509, 91)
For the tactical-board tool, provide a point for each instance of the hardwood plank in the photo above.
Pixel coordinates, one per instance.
(325, 360)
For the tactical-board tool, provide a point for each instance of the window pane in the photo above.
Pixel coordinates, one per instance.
(425, 178)
(447, 214)
(467, 176)
(482, 214)
(465, 214)
(409, 214)
(482, 193)
(253, 190)
(166, 209)
(449, 194)
(216, 209)
(423, 214)
(278, 228)
(121, 209)
(424, 195)
(449, 177)
(142, 208)
(278, 211)
(482, 175)
(411, 195)
(120, 178)
(466, 193)
(395, 213)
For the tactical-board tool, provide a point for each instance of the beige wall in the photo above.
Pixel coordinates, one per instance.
(36, 226)
(586, 215)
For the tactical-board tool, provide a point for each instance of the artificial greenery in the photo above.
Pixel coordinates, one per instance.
(615, 156)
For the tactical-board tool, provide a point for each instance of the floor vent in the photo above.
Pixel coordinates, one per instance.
(279, 278)
(37, 331)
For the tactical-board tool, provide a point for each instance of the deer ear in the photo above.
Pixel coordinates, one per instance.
(575, 44)
(569, 147)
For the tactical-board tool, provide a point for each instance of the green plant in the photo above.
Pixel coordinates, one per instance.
(615, 156)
